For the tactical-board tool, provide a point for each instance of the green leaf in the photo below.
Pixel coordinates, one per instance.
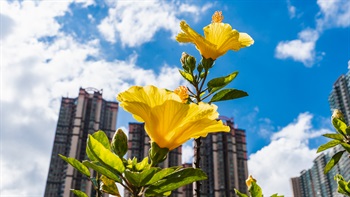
(343, 187)
(334, 160)
(77, 165)
(255, 190)
(90, 155)
(102, 170)
(142, 165)
(335, 136)
(339, 125)
(347, 131)
(166, 193)
(102, 138)
(220, 82)
(79, 193)
(186, 76)
(276, 195)
(338, 177)
(346, 147)
(240, 194)
(105, 156)
(108, 186)
(328, 145)
(140, 178)
(228, 94)
(161, 174)
(175, 180)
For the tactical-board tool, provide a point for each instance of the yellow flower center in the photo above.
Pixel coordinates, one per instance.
(217, 17)
(182, 91)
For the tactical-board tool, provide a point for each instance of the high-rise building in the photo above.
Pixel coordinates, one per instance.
(339, 97)
(314, 183)
(187, 190)
(78, 117)
(139, 145)
(224, 159)
(296, 186)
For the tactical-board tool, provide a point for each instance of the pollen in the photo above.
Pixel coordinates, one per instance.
(217, 17)
(182, 91)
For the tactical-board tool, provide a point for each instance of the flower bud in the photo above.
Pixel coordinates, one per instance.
(191, 63)
(119, 143)
(188, 62)
(157, 154)
(182, 91)
(337, 114)
(250, 180)
(183, 58)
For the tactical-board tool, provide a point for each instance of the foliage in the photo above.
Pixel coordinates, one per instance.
(254, 189)
(140, 178)
(342, 137)
(343, 186)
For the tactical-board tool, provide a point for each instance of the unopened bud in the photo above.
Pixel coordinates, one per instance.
(191, 63)
(183, 58)
(188, 62)
(250, 180)
(119, 143)
(337, 114)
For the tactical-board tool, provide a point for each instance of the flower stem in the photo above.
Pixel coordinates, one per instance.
(197, 146)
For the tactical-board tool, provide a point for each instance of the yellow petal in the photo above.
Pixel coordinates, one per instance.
(168, 121)
(198, 129)
(189, 35)
(218, 38)
(245, 39)
(218, 33)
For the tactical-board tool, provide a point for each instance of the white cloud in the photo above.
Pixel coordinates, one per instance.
(286, 155)
(143, 19)
(291, 9)
(36, 74)
(192, 9)
(187, 152)
(333, 13)
(302, 49)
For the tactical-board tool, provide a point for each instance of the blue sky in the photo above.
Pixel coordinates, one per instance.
(51, 48)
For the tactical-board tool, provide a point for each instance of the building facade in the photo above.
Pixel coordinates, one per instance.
(339, 97)
(78, 117)
(224, 159)
(314, 183)
(139, 145)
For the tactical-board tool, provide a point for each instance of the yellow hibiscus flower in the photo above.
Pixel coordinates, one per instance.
(168, 121)
(218, 38)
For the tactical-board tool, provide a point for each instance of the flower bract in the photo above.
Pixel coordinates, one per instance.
(168, 121)
(218, 38)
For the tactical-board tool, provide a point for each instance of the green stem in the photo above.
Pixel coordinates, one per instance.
(197, 146)
(98, 192)
(204, 78)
